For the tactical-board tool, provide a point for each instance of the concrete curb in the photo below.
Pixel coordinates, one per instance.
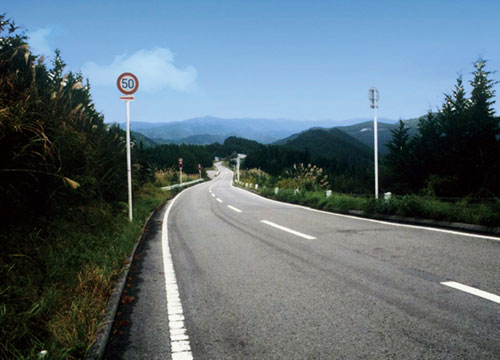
(96, 351)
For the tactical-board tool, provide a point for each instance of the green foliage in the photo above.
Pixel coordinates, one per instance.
(332, 144)
(64, 231)
(455, 152)
(54, 293)
(399, 158)
(487, 214)
(56, 149)
(308, 177)
(163, 157)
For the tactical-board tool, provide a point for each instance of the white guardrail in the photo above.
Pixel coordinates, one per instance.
(181, 185)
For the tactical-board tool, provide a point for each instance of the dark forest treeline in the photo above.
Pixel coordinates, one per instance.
(456, 151)
(342, 176)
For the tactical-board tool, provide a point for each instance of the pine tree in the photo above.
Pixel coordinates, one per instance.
(427, 150)
(485, 129)
(398, 159)
(453, 118)
(484, 125)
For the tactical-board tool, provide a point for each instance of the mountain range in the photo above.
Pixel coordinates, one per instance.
(209, 129)
(318, 135)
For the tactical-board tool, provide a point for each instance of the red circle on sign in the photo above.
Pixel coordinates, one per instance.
(132, 89)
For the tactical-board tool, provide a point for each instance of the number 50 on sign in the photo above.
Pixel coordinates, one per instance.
(127, 83)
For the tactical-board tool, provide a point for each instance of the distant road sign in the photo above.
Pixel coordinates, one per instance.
(127, 83)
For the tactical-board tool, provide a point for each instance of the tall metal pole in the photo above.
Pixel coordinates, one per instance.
(129, 167)
(375, 139)
(238, 167)
(373, 96)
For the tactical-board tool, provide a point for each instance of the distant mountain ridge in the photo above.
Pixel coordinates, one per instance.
(204, 129)
(363, 132)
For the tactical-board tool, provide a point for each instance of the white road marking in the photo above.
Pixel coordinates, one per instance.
(308, 237)
(494, 238)
(219, 200)
(473, 291)
(233, 208)
(213, 195)
(179, 340)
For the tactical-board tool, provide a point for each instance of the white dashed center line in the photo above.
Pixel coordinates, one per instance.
(219, 200)
(233, 208)
(473, 291)
(308, 237)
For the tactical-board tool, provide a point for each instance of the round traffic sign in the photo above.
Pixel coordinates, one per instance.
(127, 83)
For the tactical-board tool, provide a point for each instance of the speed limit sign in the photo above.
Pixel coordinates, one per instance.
(127, 83)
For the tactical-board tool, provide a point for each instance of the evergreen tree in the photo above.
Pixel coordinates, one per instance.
(427, 150)
(398, 159)
(484, 125)
(484, 146)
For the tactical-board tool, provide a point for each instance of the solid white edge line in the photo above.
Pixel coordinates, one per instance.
(473, 291)
(308, 237)
(235, 209)
(219, 200)
(179, 340)
(373, 220)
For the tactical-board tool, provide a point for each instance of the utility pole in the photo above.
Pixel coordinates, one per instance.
(180, 170)
(238, 167)
(373, 95)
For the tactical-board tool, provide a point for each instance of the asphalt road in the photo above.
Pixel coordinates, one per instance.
(258, 279)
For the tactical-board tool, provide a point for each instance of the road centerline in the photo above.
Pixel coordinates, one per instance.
(470, 290)
(234, 209)
(219, 200)
(283, 228)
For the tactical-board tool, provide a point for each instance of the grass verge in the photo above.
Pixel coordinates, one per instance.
(486, 214)
(57, 279)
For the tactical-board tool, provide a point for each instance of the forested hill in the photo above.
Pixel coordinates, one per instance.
(329, 143)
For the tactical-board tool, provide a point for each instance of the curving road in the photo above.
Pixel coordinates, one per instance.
(258, 279)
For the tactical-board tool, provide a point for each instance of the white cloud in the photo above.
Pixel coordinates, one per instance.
(154, 68)
(38, 42)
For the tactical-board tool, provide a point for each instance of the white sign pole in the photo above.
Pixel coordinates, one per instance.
(129, 165)
(128, 84)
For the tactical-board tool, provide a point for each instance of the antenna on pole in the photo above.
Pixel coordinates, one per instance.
(373, 95)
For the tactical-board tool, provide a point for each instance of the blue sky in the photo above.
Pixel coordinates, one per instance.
(304, 60)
